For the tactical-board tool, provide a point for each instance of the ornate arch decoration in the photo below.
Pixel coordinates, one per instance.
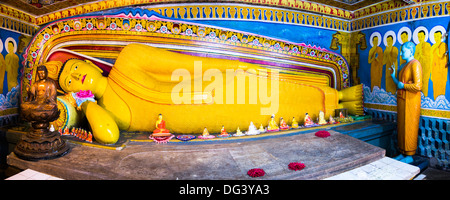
(102, 36)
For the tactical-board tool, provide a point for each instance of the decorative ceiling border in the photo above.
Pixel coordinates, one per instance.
(296, 5)
(233, 11)
(406, 13)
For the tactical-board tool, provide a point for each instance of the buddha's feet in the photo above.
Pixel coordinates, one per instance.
(399, 157)
(407, 159)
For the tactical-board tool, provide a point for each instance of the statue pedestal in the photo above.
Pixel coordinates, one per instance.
(43, 145)
(40, 143)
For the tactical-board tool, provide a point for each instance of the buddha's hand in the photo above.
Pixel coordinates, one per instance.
(104, 128)
(400, 85)
(392, 68)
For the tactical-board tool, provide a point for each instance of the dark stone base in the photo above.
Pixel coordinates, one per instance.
(44, 146)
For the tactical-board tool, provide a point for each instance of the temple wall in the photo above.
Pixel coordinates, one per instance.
(405, 24)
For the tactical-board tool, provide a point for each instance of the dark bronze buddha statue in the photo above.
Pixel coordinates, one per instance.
(40, 108)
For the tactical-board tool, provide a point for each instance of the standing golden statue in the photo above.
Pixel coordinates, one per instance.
(409, 86)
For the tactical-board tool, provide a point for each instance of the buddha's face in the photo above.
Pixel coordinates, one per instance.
(389, 41)
(10, 47)
(375, 41)
(404, 37)
(79, 75)
(42, 74)
(421, 36)
(438, 37)
(405, 53)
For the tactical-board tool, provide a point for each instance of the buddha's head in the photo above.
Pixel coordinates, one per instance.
(11, 47)
(42, 72)
(389, 40)
(421, 36)
(407, 50)
(79, 75)
(404, 36)
(438, 36)
(375, 41)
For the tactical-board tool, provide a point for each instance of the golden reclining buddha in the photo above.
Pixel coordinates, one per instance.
(191, 93)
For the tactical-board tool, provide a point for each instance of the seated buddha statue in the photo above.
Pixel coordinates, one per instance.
(160, 130)
(42, 94)
(40, 103)
(273, 126)
(252, 130)
(294, 123)
(283, 125)
(261, 129)
(206, 135)
(223, 132)
(308, 120)
(137, 87)
(238, 133)
(322, 120)
(332, 120)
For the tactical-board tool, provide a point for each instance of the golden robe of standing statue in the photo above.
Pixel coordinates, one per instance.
(408, 101)
(145, 80)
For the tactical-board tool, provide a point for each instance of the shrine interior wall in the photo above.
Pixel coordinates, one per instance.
(423, 25)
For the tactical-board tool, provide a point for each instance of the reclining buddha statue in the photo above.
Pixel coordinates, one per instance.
(191, 92)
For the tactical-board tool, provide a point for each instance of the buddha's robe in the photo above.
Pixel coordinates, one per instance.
(423, 55)
(2, 72)
(12, 70)
(140, 85)
(408, 107)
(390, 58)
(376, 66)
(439, 69)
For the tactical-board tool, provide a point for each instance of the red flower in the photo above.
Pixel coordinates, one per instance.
(256, 172)
(322, 134)
(296, 166)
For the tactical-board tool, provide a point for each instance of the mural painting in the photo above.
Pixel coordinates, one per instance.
(431, 52)
(11, 46)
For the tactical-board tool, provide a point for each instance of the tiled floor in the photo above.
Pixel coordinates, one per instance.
(30, 174)
(383, 169)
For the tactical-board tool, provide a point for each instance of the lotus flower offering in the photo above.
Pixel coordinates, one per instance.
(83, 96)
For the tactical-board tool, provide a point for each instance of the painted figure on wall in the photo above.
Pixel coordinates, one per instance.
(2, 71)
(12, 63)
(439, 68)
(405, 36)
(376, 62)
(409, 86)
(390, 59)
(423, 55)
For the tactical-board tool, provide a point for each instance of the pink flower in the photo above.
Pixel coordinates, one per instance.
(322, 134)
(85, 94)
(256, 172)
(296, 166)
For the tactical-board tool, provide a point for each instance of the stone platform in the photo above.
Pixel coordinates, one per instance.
(323, 157)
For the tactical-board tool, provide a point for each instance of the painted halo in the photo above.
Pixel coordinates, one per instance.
(434, 30)
(416, 34)
(13, 41)
(394, 38)
(403, 29)
(373, 35)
